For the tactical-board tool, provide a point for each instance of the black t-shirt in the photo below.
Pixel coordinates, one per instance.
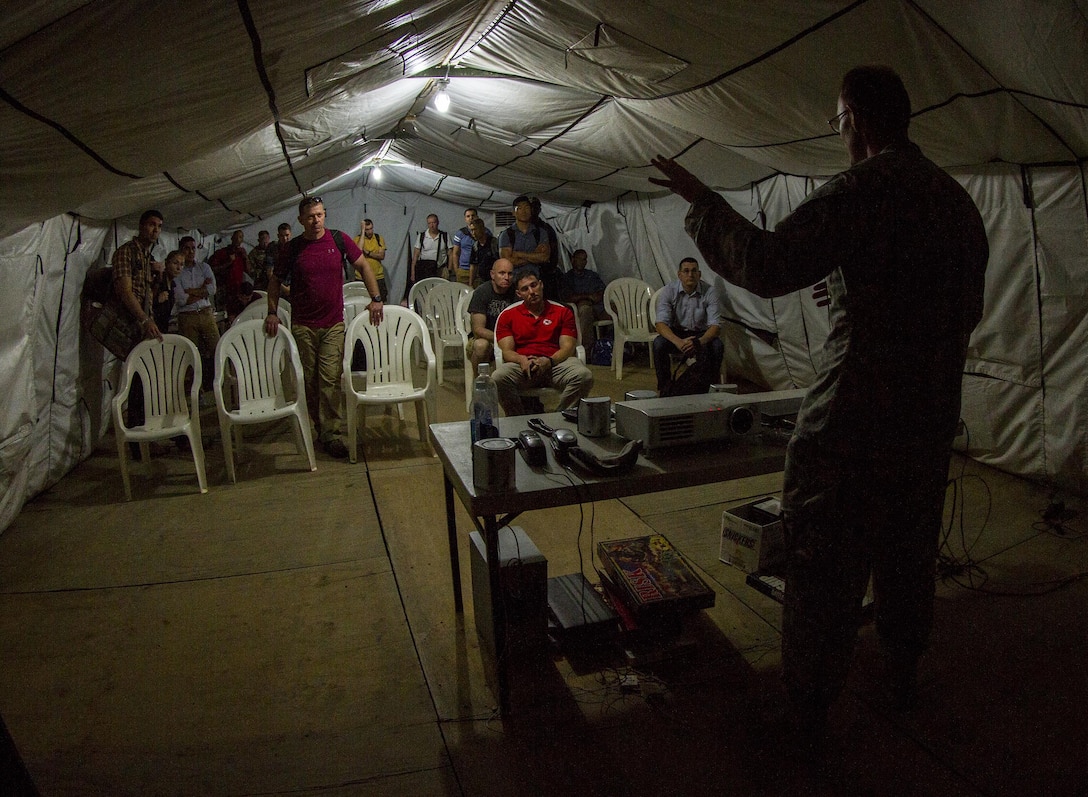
(484, 300)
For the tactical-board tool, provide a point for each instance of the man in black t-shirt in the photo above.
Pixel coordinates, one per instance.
(484, 307)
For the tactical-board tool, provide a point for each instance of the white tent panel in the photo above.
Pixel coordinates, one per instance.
(222, 115)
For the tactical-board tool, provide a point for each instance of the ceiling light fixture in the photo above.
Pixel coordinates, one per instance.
(376, 172)
(442, 97)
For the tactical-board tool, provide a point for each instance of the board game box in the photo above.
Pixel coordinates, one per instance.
(651, 576)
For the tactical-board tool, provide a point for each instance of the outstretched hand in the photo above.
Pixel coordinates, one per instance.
(677, 179)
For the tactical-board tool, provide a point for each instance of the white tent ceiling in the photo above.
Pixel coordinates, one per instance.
(221, 114)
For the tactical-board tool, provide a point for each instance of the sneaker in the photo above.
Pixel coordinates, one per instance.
(336, 448)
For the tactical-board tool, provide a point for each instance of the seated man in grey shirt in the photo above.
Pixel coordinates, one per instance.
(686, 320)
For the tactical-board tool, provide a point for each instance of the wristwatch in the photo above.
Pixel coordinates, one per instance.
(377, 299)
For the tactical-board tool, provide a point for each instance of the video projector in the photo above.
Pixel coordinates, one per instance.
(680, 420)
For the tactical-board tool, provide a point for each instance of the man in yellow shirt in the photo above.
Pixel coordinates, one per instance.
(374, 250)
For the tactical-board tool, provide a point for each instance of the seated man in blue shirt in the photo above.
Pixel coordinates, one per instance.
(686, 319)
(585, 290)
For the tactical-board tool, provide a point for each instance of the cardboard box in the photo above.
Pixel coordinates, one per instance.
(752, 535)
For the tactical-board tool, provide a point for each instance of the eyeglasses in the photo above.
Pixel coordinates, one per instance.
(836, 122)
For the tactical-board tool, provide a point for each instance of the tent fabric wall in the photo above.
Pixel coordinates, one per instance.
(1025, 398)
(225, 127)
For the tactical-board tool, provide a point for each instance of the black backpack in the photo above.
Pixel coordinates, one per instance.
(294, 246)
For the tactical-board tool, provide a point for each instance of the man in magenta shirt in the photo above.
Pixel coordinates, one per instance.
(537, 340)
(314, 265)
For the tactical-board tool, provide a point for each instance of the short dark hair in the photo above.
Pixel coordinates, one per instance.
(474, 210)
(284, 226)
(264, 232)
(877, 93)
(525, 271)
(308, 201)
(150, 214)
(521, 198)
(368, 221)
(175, 253)
(184, 240)
(576, 251)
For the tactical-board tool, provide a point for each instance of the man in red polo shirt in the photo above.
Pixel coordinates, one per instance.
(537, 340)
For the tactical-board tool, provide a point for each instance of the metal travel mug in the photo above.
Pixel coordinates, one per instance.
(594, 416)
(493, 466)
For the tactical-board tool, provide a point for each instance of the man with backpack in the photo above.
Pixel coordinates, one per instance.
(430, 253)
(314, 264)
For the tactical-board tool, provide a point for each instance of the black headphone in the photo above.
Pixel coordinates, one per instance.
(566, 449)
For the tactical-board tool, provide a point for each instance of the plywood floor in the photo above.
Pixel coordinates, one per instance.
(295, 634)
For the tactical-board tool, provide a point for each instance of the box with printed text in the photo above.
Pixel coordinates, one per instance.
(752, 535)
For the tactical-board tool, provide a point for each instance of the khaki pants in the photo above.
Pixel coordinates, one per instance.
(201, 329)
(322, 354)
(571, 377)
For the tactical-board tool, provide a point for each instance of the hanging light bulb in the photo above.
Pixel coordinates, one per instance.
(376, 172)
(442, 98)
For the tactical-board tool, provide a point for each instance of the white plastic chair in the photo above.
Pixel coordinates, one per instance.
(420, 290)
(416, 298)
(597, 325)
(389, 376)
(537, 392)
(440, 312)
(627, 301)
(464, 327)
(355, 288)
(259, 363)
(163, 367)
(259, 309)
(353, 305)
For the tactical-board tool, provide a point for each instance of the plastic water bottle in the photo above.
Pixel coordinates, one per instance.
(485, 406)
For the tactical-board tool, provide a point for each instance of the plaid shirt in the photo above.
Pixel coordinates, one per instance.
(130, 260)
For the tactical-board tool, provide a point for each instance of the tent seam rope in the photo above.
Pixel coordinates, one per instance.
(266, 81)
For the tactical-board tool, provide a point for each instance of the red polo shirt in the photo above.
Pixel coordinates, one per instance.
(536, 336)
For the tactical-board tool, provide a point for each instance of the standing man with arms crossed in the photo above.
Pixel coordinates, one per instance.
(523, 243)
(314, 264)
(194, 291)
(904, 251)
